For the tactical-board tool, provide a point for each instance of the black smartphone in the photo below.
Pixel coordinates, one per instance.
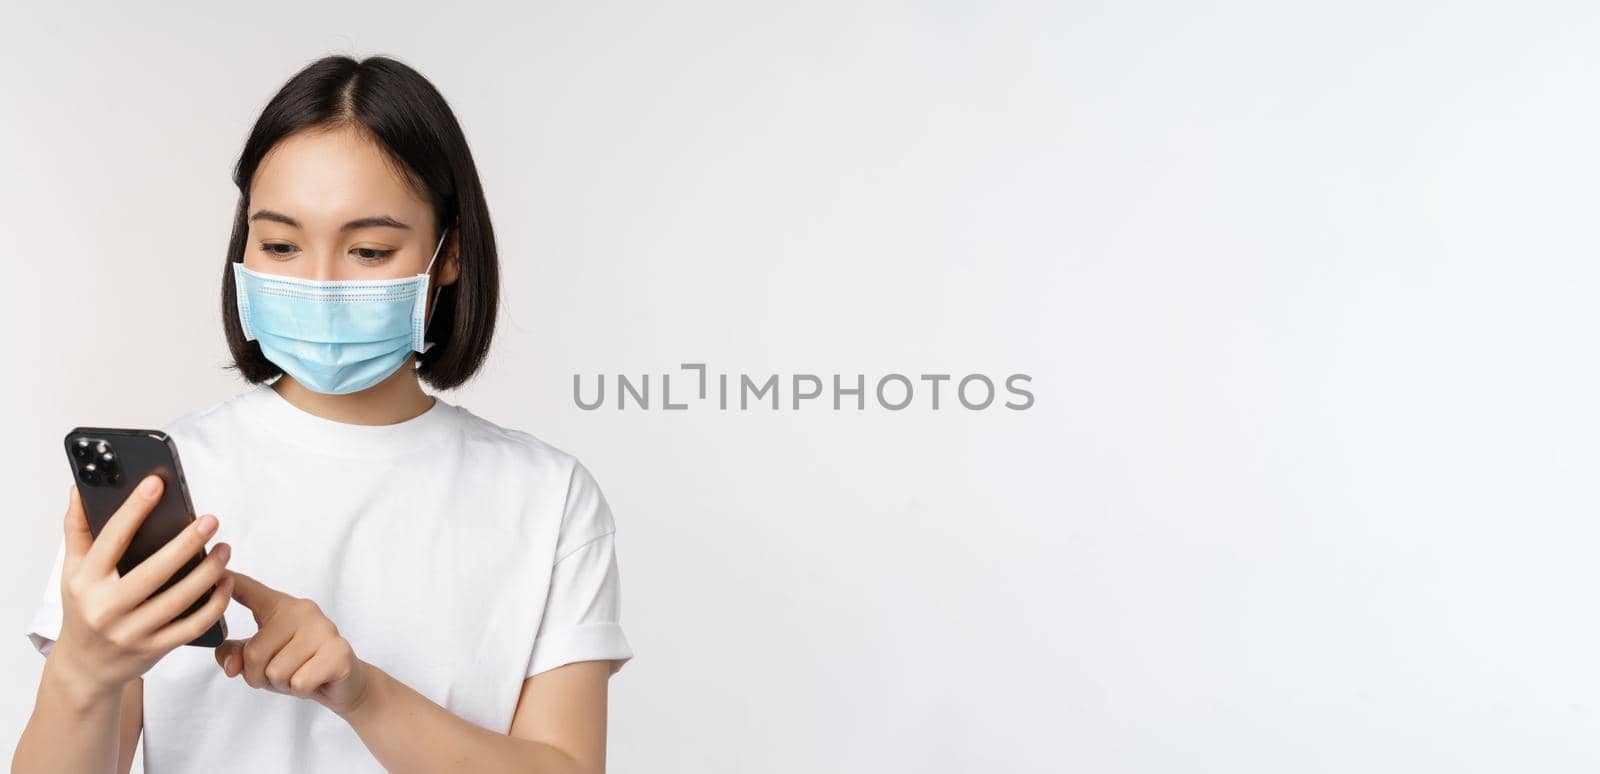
(107, 464)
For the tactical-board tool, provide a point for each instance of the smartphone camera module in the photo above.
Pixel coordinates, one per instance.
(96, 461)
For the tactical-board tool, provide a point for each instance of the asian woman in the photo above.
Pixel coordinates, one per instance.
(415, 588)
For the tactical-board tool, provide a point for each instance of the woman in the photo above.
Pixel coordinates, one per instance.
(418, 589)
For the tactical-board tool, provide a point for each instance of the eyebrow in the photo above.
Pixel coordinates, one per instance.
(359, 223)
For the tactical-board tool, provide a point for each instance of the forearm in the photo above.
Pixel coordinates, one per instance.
(407, 732)
(74, 726)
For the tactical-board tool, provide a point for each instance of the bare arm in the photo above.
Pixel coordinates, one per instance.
(81, 730)
(132, 724)
(559, 727)
(88, 710)
(74, 725)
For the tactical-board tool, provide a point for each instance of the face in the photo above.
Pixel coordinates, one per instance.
(329, 205)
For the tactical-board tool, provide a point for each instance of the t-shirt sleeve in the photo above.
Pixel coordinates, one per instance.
(583, 611)
(46, 624)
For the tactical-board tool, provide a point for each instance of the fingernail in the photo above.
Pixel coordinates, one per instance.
(149, 486)
(227, 663)
(223, 551)
(207, 524)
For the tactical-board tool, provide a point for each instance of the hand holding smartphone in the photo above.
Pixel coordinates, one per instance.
(108, 464)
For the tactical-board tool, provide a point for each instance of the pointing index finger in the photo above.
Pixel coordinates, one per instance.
(259, 597)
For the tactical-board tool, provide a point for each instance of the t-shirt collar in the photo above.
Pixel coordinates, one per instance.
(343, 439)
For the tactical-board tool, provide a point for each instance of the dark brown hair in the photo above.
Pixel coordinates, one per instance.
(409, 119)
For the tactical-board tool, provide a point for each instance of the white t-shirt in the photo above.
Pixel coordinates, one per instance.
(456, 555)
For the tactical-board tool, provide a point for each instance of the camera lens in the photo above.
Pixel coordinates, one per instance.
(97, 461)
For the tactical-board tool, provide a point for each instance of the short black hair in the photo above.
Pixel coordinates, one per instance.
(409, 119)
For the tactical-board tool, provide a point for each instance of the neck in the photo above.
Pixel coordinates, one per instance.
(391, 401)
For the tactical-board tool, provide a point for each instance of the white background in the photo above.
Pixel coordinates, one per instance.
(1307, 292)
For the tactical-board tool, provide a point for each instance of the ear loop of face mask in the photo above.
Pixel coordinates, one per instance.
(433, 303)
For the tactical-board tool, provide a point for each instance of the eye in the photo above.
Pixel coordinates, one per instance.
(278, 250)
(370, 254)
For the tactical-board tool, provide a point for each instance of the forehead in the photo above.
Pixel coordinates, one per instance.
(327, 177)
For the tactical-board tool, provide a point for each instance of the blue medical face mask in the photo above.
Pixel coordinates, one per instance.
(334, 337)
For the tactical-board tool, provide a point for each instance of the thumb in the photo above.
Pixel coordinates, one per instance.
(230, 656)
(75, 527)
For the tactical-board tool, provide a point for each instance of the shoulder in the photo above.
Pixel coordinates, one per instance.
(522, 448)
(566, 483)
(485, 436)
(584, 512)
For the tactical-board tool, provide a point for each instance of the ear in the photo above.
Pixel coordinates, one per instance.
(450, 258)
